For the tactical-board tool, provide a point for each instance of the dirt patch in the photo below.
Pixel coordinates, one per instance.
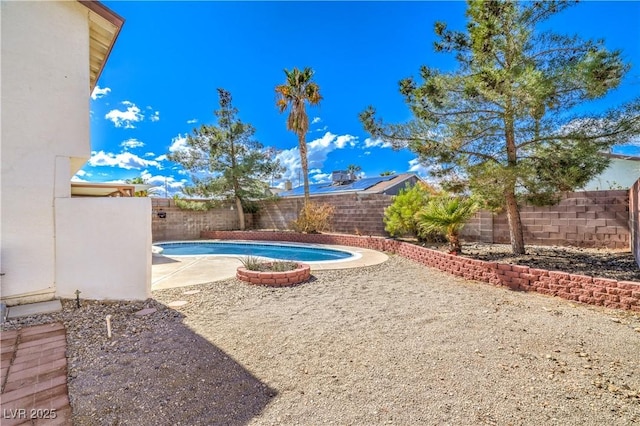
(602, 263)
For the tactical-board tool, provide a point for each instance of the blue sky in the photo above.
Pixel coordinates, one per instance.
(161, 77)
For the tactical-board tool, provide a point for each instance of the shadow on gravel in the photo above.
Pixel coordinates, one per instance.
(196, 384)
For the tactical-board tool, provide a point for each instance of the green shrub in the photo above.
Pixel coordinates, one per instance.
(196, 205)
(255, 263)
(313, 218)
(399, 217)
(283, 266)
(250, 206)
(447, 214)
(252, 263)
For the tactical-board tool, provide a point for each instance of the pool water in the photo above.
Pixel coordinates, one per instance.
(280, 251)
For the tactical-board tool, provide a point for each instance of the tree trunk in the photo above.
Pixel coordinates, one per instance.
(515, 225)
(454, 243)
(302, 145)
(511, 202)
(240, 213)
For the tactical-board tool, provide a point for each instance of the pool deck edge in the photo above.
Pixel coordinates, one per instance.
(182, 271)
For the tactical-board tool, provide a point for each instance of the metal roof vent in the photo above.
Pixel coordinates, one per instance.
(342, 177)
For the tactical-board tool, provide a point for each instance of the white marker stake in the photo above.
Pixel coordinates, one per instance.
(109, 326)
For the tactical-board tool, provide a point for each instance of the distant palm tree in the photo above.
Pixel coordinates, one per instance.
(294, 95)
(352, 169)
(141, 181)
(387, 173)
(447, 214)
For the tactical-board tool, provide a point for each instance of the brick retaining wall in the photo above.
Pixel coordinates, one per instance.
(578, 288)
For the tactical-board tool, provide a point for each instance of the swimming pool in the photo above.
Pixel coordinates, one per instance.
(281, 251)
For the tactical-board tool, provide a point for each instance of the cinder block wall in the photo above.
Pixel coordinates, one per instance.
(585, 219)
(181, 224)
(354, 213)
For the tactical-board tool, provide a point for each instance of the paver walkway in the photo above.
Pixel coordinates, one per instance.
(34, 376)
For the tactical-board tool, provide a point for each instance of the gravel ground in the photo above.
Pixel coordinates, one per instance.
(394, 343)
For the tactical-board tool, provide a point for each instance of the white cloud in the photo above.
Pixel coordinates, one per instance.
(633, 142)
(179, 143)
(417, 167)
(322, 129)
(164, 186)
(319, 148)
(370, 143)
(192, 121)
(153, 115)
(124, 160)
(316, 120)
(125, 118)
(132, 143)
(317, 151)
(150, 154)
(79, 175)
(162, 157)
(99, 92)
(322, 177)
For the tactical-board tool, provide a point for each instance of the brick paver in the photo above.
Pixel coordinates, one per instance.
(34, 376)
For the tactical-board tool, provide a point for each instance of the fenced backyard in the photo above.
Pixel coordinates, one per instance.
(601, 219)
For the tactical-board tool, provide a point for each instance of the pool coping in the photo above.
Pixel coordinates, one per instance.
(355, 254)
(181, 271)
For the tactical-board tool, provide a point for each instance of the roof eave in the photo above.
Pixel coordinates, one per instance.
(112, 18)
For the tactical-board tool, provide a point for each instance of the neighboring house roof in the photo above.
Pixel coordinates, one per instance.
(370, 185)
(95, 189)
(621, 156)
(104, 27)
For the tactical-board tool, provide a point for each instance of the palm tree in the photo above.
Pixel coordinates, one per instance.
(294, 95)
(447, 214)
(353, 169)
(141, 181)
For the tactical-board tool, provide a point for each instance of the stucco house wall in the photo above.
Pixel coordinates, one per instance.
(45, 139)
(45, 116)
(621, 174)
(116, 263)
